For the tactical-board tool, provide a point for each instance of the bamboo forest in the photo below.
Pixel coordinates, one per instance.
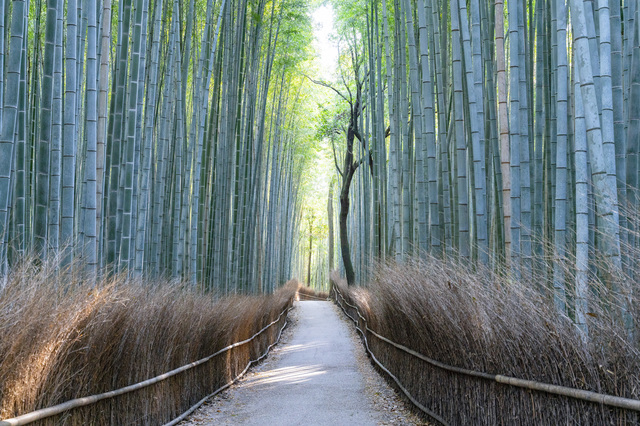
(460, 178)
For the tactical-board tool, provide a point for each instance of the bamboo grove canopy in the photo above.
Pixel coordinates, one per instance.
(153, 136)
(162, 137)
(500, 133)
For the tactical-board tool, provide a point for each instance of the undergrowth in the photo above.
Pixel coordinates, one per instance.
(309, 293)
(62, 339)
(484, 322)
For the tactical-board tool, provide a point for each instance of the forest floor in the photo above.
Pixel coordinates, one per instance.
(318, 375)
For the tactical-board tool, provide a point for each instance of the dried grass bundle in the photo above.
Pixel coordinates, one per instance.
(61, 340)
(485, 322)
(308, 293)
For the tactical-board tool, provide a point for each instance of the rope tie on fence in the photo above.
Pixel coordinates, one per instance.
(584, 395)
(88, 400)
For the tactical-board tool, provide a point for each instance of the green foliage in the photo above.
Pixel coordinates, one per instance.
(296, 30)
(351, 16)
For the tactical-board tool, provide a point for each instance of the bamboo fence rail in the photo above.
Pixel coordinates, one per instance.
(579, 394)
(88, 400)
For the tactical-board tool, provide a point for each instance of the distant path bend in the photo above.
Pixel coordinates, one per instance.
(314, 378)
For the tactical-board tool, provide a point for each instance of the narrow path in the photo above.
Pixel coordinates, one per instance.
(316, 377)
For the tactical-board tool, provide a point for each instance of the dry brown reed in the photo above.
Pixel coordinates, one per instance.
(309, 293)
(61, 339)
(481, 321)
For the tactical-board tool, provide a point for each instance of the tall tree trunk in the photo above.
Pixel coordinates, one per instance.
(464, 240)
(474, 75)
(503, 115)
(129, 159)
(582, 214)
(348, 171)
(53, 211)
(561, 160)
(310, 251)
(429, 128)
(89, 204)
(331, 243)
(606, 196)
(70, 144)
(418, 121)
(44, 143)
(9, 120)
(103, 87)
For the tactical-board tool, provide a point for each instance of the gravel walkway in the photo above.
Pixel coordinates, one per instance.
(318, 375)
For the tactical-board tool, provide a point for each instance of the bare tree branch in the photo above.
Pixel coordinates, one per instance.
(357, 164)
(358, 136)
(343, 79)
(335, 157)
(327, 85)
